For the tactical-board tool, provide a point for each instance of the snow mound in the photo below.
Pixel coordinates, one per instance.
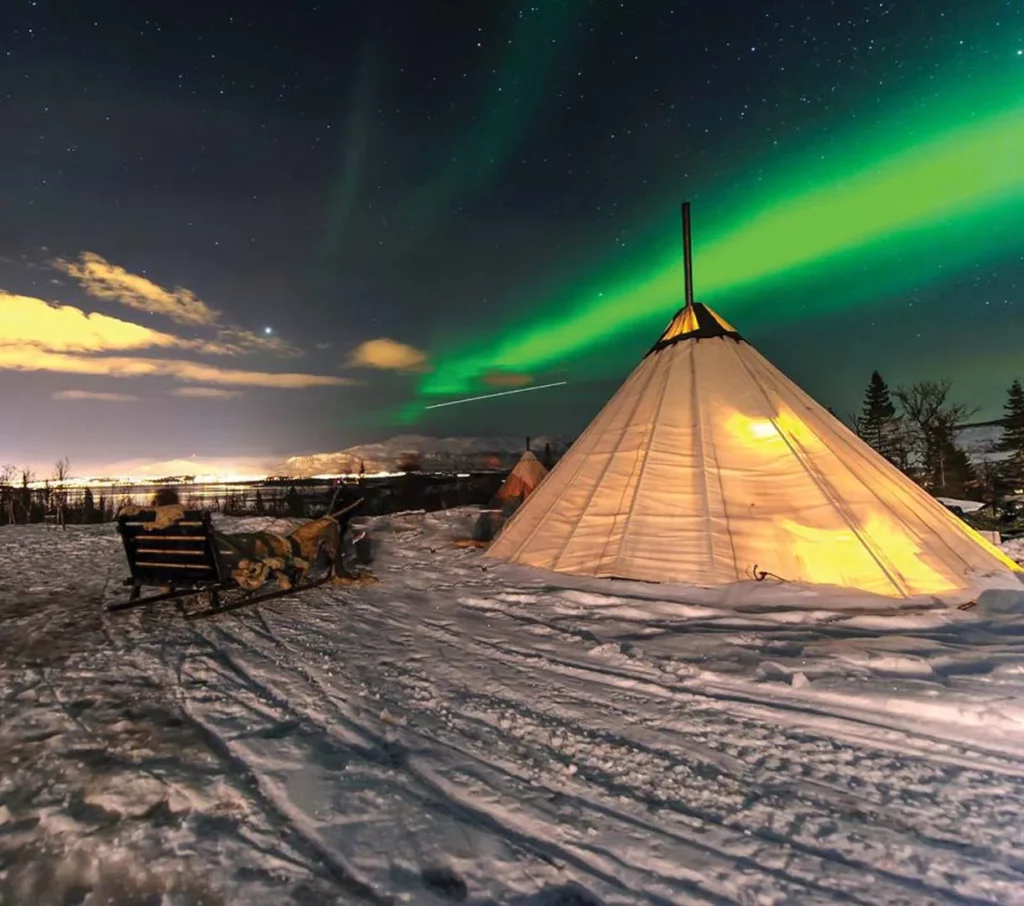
(1014, 548)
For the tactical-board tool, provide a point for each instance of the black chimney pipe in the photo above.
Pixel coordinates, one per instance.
(687, 259)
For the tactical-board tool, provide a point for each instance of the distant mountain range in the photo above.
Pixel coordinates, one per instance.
(979, 441)
(431, 454)
(453, 454)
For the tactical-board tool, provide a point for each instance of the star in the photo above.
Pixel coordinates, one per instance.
(268, 330)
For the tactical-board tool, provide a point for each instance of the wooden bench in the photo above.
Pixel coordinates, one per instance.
(180, 558)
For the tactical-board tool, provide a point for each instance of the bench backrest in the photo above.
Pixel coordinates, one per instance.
(179, 554)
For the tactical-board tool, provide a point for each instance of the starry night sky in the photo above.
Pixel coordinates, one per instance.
(428, 200)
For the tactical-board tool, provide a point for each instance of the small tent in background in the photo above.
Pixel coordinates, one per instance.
(522, 480)
(709, 467)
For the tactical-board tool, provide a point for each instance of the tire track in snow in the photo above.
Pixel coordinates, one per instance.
(915, 886)
(545, 848)
(766, 707)
(945, 893)
(249, 781)
(436, 793)
(615, 787)
(136, 636)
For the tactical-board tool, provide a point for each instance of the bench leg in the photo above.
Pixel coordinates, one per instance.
(136, 591)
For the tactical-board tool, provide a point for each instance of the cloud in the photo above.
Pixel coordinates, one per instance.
(238, 341)
(388, 355)
(94, 395)
(31, 358)
(64, 328)
(103, 280)
(506, 379)
(39, 336)
(207, 393)
(323, 346)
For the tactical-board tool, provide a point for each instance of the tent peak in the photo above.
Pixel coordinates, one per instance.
(695, 321)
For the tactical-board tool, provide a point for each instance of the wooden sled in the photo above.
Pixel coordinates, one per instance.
(182, 560)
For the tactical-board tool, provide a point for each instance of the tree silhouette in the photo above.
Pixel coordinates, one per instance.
(1012, 439)
(61, 473)
(931, 420)
(878, 423)
(295, 506)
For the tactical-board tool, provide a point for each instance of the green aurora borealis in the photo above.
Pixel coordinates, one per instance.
(940, 189)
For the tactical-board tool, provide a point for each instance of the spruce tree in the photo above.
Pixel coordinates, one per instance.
(955, 475)
(1012, 439)
(878, 423)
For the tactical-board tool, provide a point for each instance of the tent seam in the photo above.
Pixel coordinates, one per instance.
(647, 457)
(604, 471)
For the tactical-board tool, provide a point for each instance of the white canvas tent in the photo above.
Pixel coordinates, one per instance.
(523, 479)
(709, 466)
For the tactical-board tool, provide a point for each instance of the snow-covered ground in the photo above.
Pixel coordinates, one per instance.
(466, 730)
(966, 506)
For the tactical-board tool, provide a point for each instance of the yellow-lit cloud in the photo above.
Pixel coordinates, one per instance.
(208, 393)
(388, 355)
(94, 395)
(32, 358)
(39, 336)
(103, 280)
(25, 320)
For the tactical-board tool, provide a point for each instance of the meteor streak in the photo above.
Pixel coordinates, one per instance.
(487, 396)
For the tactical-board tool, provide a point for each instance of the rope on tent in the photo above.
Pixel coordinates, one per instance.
(761, 574)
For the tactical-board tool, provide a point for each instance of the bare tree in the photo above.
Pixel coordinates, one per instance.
(931, 420)
(27, 477)
(7, 473)
(61, 473)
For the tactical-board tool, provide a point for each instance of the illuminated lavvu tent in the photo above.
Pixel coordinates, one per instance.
(523, 479)
(709, 467)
